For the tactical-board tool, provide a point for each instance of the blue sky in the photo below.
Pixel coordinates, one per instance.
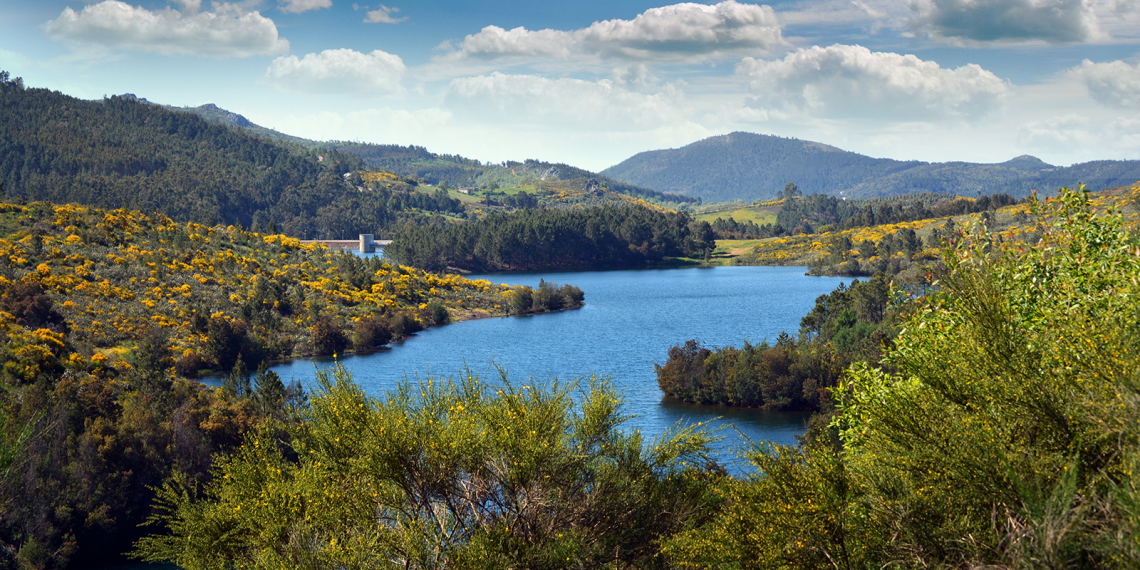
(591, 83)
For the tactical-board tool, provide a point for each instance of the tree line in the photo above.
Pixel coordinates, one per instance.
(850, 324)
(806, 214)
(624, 236)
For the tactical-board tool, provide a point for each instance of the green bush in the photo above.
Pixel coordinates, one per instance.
(999, 432)
(442, 473)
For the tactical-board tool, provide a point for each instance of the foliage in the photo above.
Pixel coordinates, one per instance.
(546, 238)
(99, 310)
(845, 326)
(999, 432)
(441, 473)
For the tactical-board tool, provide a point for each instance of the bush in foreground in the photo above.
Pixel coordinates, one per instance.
(1005, 437)
(443, 473)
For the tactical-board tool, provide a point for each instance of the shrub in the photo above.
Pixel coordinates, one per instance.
(403, 325)
(328, 338)
(224, 340)
(370, 333)
(437, 313)
(189, 365)
(32, 307)
(519, 477)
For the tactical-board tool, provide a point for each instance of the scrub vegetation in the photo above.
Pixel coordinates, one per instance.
(997, 430)
(105, 314)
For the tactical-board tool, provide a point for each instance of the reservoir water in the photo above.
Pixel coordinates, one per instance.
(630, 321)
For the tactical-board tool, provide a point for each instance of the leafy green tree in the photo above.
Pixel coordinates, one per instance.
(443, 473)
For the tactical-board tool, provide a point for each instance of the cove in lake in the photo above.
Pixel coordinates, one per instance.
(630, 321)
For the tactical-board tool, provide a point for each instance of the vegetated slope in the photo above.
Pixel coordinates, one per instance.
(1012, 390)
(903, 245)
(121, 152)
(747, 166)
(456, 170)
(99, 310)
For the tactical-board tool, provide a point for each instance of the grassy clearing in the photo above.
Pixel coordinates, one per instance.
(760, 215)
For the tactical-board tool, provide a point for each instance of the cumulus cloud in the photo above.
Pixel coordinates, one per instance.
(339, 71)
(676, 31)
(298, 6)
(228, 31)
(1053, 21)
(566, 102)
(852, 82)
(632, 75)
(383, 15)
(1116, 83)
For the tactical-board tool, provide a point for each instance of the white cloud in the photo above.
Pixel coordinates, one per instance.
(852, 82)
(1115, 83)
(678, 31)
(228, 31)
(1058, 133)
(636, 74)
(298, 6)
(567, 103)
(339, 71)
(383, 15)
(1053, 21)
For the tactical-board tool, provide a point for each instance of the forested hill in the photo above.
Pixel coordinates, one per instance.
(456, 170)
(747, 166)
(123, 152)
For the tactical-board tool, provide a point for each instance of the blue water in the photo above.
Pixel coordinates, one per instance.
(630, 321)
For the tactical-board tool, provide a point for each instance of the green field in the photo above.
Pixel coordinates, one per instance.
(757, 214)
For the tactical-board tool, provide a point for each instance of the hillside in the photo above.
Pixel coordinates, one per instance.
(747, 166)
(455, 170)
(907, 242)
(435, 169)
(124, 152)
(105, 313)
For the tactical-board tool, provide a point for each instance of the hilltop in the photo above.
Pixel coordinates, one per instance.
(451, 170)
(748, 166)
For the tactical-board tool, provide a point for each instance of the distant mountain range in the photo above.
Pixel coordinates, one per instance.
(748, 166)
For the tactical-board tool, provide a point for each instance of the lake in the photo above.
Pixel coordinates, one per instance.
(630, 321)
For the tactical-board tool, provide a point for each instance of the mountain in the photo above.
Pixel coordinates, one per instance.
(748, 166)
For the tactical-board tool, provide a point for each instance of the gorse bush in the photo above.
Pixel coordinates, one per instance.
(220, 292)
(100, 310)
(466, 473)
(1001, 430)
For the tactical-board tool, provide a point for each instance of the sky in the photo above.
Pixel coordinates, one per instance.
(591, 83)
